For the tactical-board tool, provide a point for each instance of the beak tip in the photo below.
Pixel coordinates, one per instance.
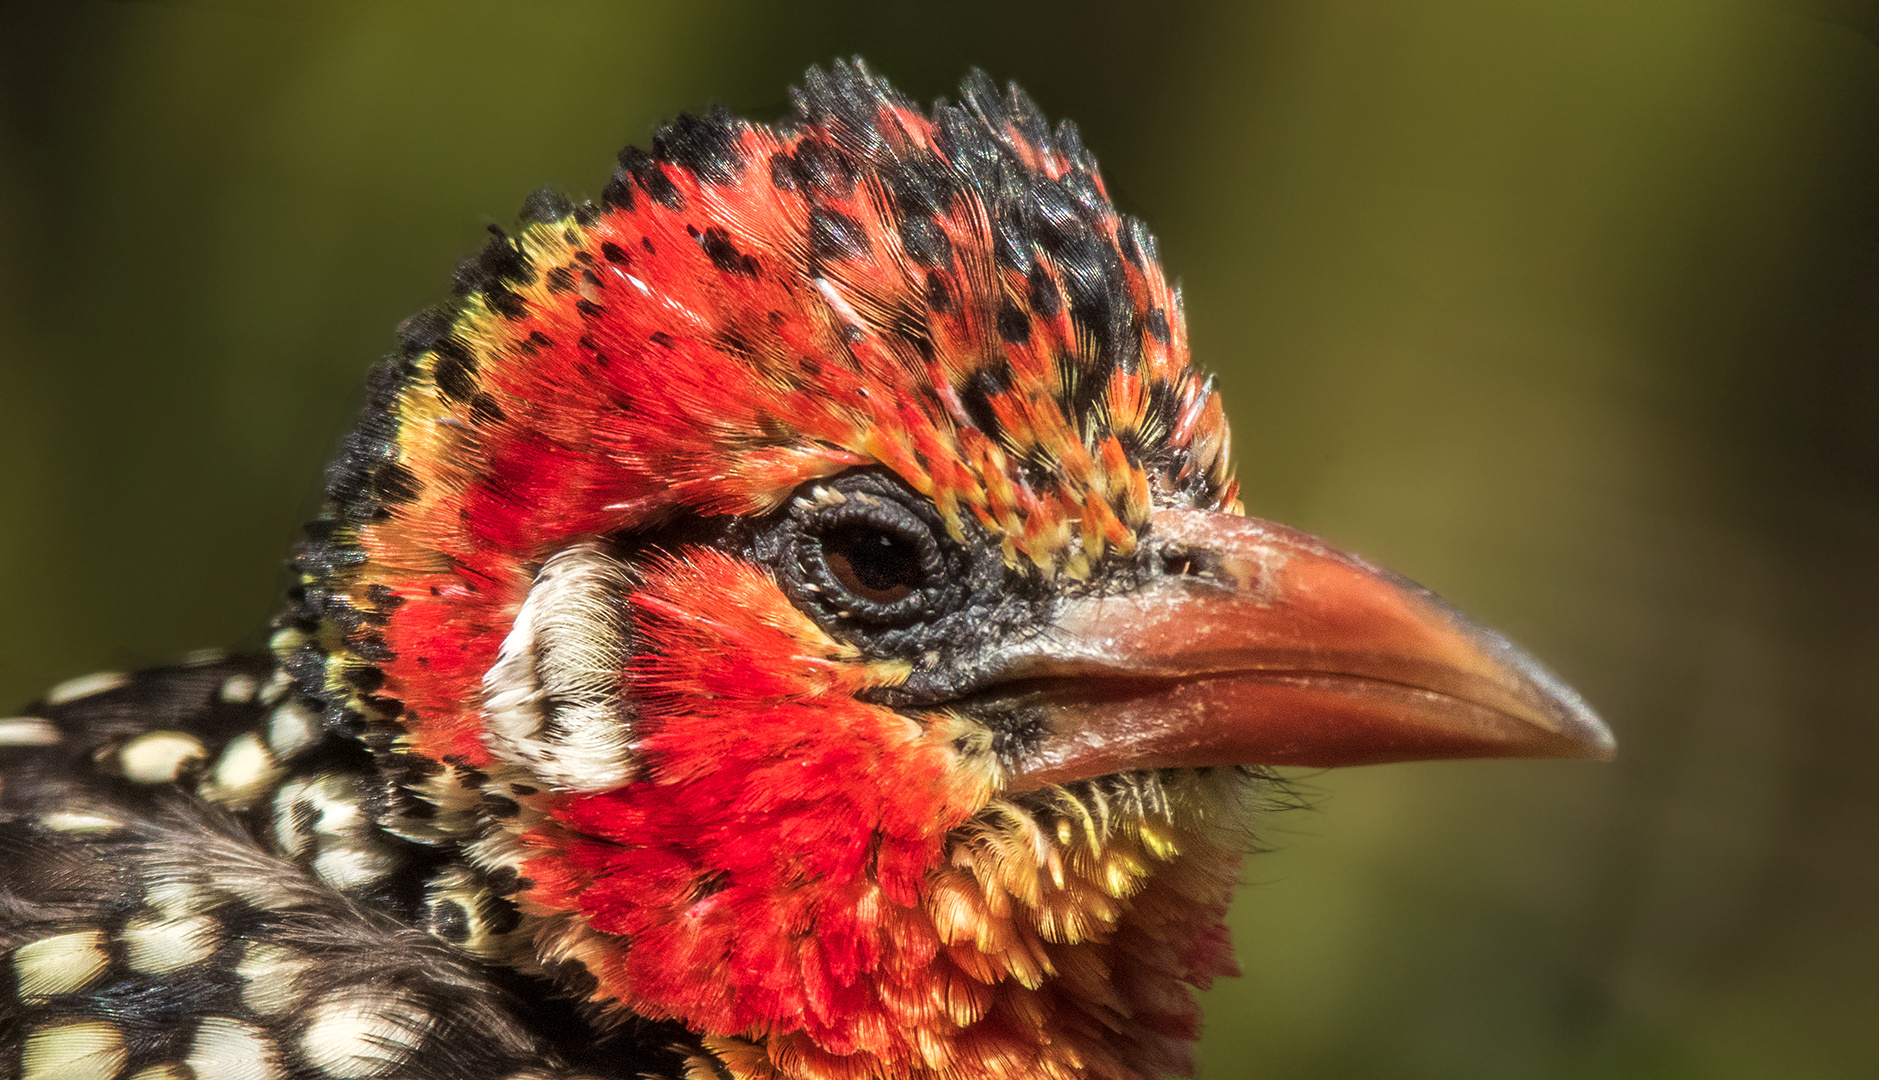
(1595, 739)
(1578, 731)
(1581, 736)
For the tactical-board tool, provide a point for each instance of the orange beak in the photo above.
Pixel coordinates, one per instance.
(1258, 644)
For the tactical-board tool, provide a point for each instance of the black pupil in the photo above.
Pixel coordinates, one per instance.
(875, 565)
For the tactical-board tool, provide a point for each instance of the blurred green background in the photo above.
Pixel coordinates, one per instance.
(1569, 310)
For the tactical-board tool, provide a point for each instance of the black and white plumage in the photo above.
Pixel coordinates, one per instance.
(193, 883)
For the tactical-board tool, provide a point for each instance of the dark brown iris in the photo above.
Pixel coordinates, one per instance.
(873, 564)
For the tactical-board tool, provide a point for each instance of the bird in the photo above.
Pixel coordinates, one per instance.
(792, 618)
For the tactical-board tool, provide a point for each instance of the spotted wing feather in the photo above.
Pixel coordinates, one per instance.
(148, 924)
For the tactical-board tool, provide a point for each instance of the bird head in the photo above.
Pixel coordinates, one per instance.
(810, 584)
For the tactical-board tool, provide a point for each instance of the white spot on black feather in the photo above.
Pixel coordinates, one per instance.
(292, 728)
(360, 1034)
(270, 976)
(228, 1049)
(153, 946)
(85, 686)
(275, 687)
(86, 1050)
(158, 757)
(353, 866)
(243, 772)
(60, 964)
(239, 688)
(28, 731)
(81, 819)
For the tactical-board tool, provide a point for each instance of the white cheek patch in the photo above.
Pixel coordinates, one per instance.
(554, 702)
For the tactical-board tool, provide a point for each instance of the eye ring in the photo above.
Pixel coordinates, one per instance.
(874, 558)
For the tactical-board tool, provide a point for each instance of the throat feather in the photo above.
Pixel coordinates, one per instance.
(1033, 945)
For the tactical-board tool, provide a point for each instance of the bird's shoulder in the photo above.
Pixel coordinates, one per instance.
(192, 877)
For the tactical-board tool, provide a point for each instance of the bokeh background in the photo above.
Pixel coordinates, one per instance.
(1569, 310)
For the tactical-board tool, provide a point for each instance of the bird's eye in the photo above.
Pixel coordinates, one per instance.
(869, 558)
(873, 563)
(868, 553)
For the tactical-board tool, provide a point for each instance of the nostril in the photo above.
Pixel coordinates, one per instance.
(1180, 564)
